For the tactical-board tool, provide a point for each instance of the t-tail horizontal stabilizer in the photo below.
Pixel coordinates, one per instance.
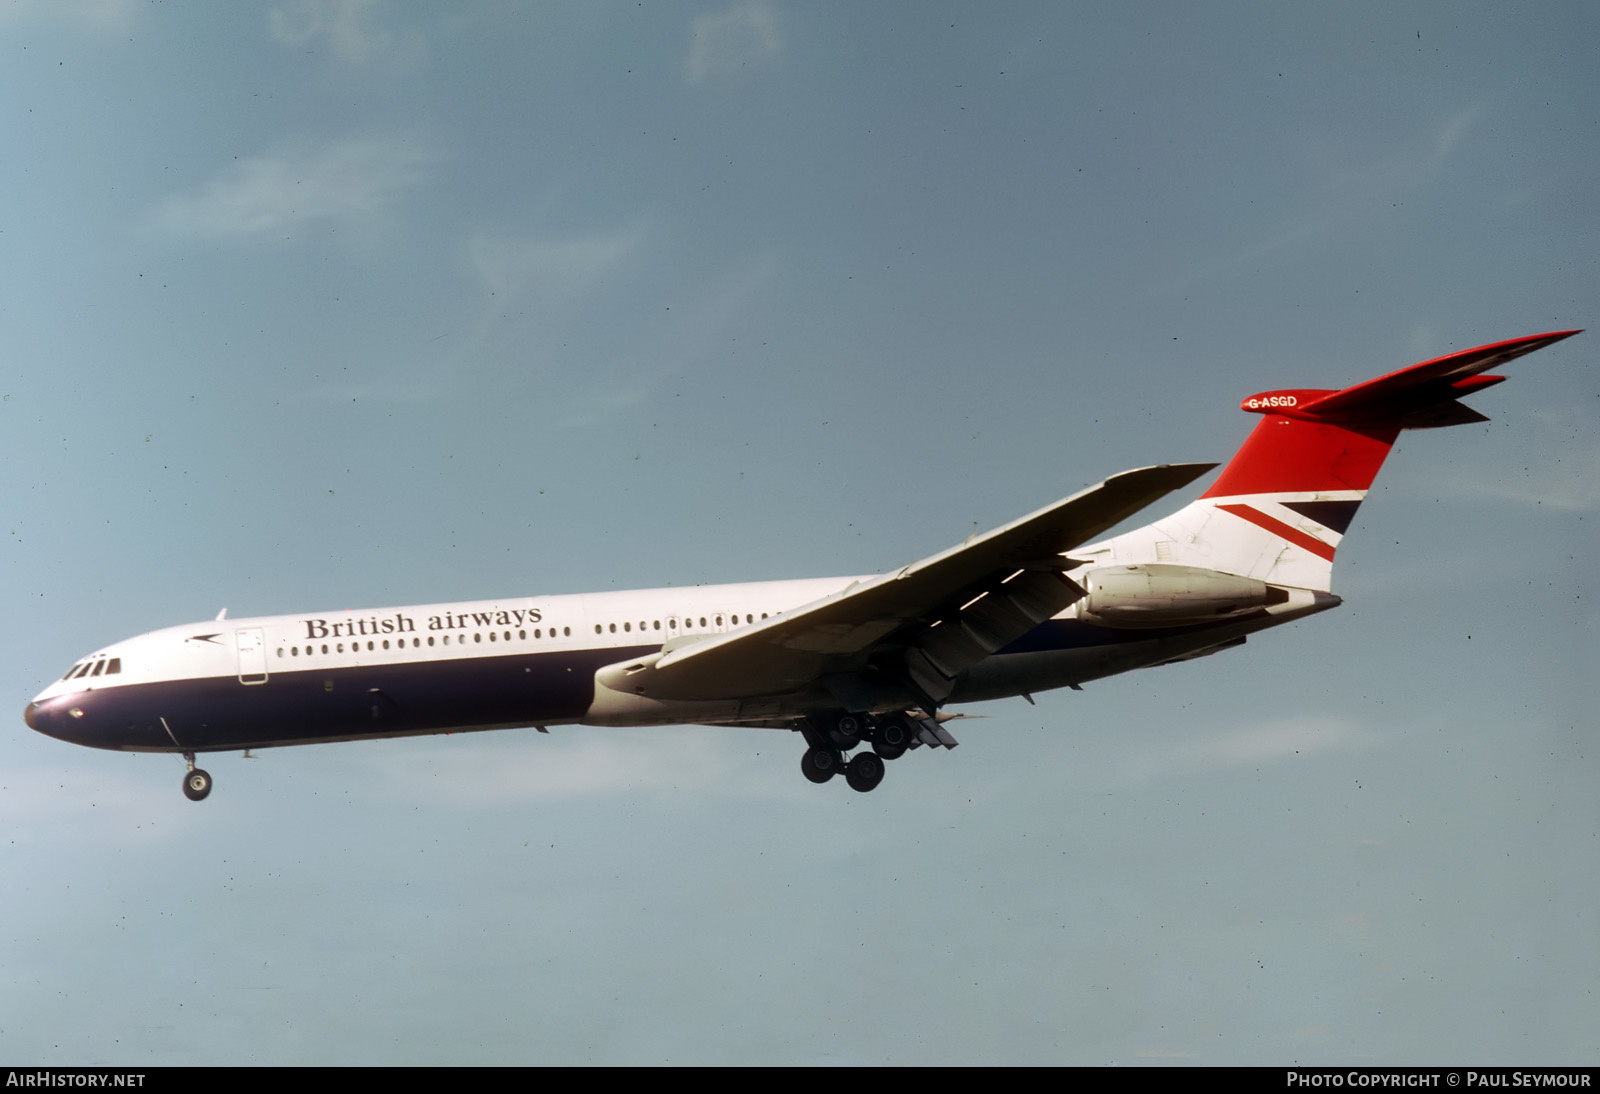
(1422, 396)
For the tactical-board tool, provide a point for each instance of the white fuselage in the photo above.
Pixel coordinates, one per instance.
(523, 661)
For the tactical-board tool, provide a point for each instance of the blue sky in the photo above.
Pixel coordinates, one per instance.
(342, 304)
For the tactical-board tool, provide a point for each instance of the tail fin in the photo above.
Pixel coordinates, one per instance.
(1282, 504)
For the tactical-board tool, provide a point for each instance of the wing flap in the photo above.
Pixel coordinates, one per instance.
(998, 618)
(793, 650)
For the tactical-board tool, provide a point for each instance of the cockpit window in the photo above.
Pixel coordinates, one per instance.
(106, 666)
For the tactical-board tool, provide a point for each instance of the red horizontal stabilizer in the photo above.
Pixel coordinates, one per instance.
(1411, 392)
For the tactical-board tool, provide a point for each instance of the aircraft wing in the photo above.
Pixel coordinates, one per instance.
(948, 608)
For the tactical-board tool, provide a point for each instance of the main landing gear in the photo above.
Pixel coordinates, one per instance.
(890, 735)
(863, 772)
(197, 783)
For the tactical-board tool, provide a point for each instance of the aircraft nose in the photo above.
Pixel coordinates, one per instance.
(42, 719)
(53, 720)
(38, 717)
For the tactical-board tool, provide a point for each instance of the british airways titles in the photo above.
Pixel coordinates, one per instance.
(400, 623)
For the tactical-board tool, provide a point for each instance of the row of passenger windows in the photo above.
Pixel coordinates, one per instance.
(92, 667)
(688, 623)
(416, 643)
(110, 665)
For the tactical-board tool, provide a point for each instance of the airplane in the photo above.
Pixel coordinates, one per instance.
(863, 668)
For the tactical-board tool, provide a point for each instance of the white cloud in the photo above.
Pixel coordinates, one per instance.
(103, 15)
(547, 266)
(345, 26)
(1271, 741)
(1571, 486)
(1569, 482)
(585, 762)
(1248, 746)
(732, 43)
(1559, 467)
(40, 804)
(1345, 183)
(269, 193)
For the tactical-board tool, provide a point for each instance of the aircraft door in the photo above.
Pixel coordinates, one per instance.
(252, 655)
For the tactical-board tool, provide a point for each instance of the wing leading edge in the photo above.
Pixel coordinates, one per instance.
(981, 593)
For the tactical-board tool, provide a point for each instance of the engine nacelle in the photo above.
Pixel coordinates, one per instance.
(1160, 594)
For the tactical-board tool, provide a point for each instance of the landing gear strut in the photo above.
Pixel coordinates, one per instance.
(197, 783)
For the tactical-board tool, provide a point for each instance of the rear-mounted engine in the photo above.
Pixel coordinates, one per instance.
(1164, 595)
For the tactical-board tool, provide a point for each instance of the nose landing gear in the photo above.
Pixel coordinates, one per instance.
(196, 783)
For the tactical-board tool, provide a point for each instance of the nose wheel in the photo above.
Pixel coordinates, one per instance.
(196, 783)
